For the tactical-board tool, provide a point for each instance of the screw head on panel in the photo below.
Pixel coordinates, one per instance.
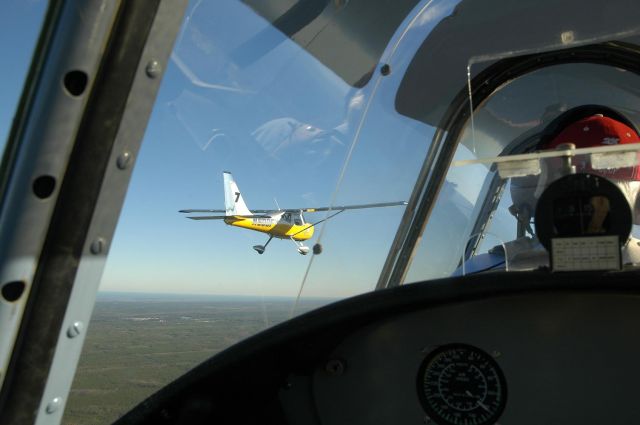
(123, 161)
(567, 37)
(97, 246)
(153, 68)
(75, 329)
(53, 405)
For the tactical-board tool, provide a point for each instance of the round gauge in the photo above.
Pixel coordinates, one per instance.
(461, 385)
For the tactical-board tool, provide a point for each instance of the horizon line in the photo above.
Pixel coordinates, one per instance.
(194, 294)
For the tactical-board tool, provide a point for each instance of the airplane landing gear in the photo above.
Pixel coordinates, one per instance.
(261, 248)
(302, 249)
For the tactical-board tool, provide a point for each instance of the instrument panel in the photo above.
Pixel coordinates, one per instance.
(527, 359)
(506, 348)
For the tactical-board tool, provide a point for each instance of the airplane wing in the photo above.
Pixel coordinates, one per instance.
(338, 209)
(348, 207)
(263, 213)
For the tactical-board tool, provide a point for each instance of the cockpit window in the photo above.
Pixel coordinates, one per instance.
(484, 217)
(335, 111)
(253, 124)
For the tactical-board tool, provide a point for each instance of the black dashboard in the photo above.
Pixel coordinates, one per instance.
(525, 348)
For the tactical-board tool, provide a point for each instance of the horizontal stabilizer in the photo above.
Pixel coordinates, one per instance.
(209, 217)
(222, 217)
(201, 211)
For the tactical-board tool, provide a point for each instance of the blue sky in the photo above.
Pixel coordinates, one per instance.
(20, 23)
(213, 114)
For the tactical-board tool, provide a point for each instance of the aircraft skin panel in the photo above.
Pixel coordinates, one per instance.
(302, 233)
(273, 227)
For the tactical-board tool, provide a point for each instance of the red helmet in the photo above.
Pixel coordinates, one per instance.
(599, 130)
(584, 126)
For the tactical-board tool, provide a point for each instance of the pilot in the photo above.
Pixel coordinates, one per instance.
(593, 130)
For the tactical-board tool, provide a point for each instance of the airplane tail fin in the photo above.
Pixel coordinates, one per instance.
(233, 202)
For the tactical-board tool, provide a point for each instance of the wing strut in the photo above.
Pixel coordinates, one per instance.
(318, 222)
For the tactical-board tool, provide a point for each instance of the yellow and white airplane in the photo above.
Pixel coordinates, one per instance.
(281, 223)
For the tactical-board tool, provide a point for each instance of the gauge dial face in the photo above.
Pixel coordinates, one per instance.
(461, 385)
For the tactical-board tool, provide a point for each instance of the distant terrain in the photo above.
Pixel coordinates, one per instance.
(137, 343)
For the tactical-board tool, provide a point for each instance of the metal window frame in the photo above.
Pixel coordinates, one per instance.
(88, 143)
